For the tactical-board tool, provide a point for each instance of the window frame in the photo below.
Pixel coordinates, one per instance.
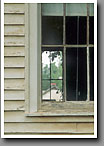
(33, 104)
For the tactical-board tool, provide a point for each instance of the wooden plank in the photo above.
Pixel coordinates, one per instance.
(8, 40)
(14, 51)
(14, 84)
(17, 133)
(14, 8)
(14, 30)
(13, 19)
(14, 62)
(14, 105)
(48, 128)
(69, 107)
(85, 127)
(14, 95)
(14, 73)
(20, 117)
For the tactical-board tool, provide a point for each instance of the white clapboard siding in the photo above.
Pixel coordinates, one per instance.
(14, 51)
(14, 84)
(14, 19)
(14, 30)
(14, 62)
(14, 95)
(16, 121)
(14, 73)
(14, 105)
(13, 41)
(49, 127)
(14, 8)
(20, 117)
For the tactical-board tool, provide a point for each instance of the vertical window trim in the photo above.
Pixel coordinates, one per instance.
(32, 61)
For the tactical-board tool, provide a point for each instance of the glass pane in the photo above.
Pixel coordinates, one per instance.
(45, 65)
(56, 90)
(91, 9)
(51, 9)
(56, 65)
(52, 30)
(82, 74)
(76, 74)
(71, 73)
(92, 74)
(45, 90)
(71, 30)
(91, 29)
(82, 30)
(76, 9)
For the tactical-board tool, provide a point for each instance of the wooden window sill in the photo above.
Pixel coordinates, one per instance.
(69, 108)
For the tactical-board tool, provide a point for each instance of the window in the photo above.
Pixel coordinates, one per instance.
(59, 59)
(67, 48)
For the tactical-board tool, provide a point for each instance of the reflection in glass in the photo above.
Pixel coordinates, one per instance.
(45, 89)
(91, 9)
(56, 90)
(45, 65)
(56, 64)
(52, 9)
(77, 9)
(52, 30)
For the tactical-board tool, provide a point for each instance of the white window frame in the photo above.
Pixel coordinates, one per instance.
(32, 63)
(33, 66)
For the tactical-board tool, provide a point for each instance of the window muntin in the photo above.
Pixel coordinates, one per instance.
(75, 33)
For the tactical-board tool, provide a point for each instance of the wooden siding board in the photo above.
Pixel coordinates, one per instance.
(14, 30)
(14, 73)
(14, 84)
(20, 117)
(49, 127)
(14, 95)
(14, 8)
(14, 62)
(14, 105)
(14, 19)
(8, 40)
(14, 51)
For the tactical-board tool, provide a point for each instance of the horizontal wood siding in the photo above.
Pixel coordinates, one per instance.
(16, 122)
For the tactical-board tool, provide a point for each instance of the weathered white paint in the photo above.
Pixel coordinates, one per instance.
(16, 82)
(14, 51)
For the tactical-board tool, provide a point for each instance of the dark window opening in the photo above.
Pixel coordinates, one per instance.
(91, 29)
(76, 74)
(52, 30)
(67, 53)
(76, 30)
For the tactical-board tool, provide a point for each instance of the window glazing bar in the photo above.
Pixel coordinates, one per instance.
(88, 59)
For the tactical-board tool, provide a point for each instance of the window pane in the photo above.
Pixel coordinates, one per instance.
(56, 90)
(82, 30)
(71, 73)
(45, 65)
(91, 73)
(45, 90)
(56, 64)
(71, 30)
(91, 9)
(51, 9)
(76, 74)
(76, 9)
(82, 74)
(76, 30)
(91, 30)
(52, 30)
